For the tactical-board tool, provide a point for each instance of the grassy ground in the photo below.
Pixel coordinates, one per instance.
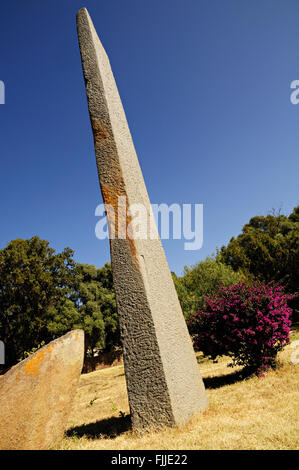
(256, 413)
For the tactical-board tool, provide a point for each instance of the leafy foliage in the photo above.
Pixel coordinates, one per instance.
(34, 281)
(249, 324)
(44, 294)
(94, 299)
(267, 250)
(201, 280)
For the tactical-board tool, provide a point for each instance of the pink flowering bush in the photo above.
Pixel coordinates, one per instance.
(250, 324)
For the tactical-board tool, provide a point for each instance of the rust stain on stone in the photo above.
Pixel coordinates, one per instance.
(111, 199)
(99, 131)
(32, 367)
(110, 195)
(39, 391)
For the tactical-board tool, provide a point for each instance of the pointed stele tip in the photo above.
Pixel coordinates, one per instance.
(82, 12)
(82, 16)
(84, 27)
(87, 35)
(84, 21)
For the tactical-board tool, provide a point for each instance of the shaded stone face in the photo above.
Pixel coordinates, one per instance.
(163, 379)
(36, 394)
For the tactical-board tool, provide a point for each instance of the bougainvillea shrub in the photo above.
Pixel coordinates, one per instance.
(250, 324)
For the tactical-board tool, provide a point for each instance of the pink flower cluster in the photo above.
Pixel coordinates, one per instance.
(248, 323)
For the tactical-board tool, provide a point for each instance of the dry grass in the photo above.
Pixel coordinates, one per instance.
(256, 413)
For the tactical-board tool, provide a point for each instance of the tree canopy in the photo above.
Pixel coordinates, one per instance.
(94, 299)
(44, 294)
(200, 280)
(267, 249)
(34, 281)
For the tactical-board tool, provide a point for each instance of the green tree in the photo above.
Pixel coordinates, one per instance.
(200, 280)
(267, 250)
(94, 299)
(34, 284)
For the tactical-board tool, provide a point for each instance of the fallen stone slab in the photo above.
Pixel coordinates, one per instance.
(36, 394)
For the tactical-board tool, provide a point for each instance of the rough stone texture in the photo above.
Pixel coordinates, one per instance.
(163, 379)
(36, 395)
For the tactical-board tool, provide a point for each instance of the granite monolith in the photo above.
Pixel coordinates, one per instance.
(36, 395)
(162, 375)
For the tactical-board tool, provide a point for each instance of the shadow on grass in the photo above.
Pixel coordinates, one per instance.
(106, 428)
(228, 379)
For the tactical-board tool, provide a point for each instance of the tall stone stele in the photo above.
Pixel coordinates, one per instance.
(163, 379)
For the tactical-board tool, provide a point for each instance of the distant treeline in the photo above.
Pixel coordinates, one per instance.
(44, 294)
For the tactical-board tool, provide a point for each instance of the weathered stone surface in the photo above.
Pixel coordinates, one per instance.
(163, 379)
(36, 394)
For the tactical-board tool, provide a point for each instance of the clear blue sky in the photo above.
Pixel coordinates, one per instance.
(206, 89)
